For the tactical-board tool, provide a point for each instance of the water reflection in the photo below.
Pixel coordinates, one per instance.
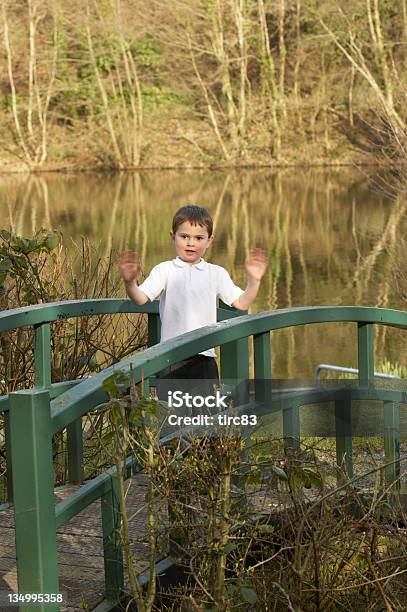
(332, 239)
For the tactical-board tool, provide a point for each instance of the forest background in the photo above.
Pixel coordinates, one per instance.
(200, 83)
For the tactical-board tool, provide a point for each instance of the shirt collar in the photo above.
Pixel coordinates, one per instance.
(181, 264)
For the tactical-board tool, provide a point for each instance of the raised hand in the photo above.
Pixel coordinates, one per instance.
(129, 266)
(256, 264)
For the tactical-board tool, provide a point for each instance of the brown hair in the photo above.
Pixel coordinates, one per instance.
(196, 215)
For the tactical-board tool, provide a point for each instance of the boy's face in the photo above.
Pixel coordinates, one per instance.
(191, 242)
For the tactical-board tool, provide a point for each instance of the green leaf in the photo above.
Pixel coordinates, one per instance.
(136, 419)
(113, 384)
(248, 595)
(280, 472)
(266, 528)
(51, 241)
(5, 234)
(5, 264)
(313, 478)
(21, 261)
(20, 244)
(116, 414)
(229, 547)
(108, 437)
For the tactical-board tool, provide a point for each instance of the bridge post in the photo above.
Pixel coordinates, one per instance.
(154, 334)
(33, 485)
(392, 442)
(343, 432)
(234, 361)
(365, 353)
(9, 473)
(291, 427)
(154, 329)
(262, 365)
(42, 355)
(343, 409)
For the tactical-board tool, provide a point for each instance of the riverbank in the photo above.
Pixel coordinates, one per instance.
(182, 143)
(203, 85)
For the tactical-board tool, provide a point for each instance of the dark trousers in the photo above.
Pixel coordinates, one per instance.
(197, 375)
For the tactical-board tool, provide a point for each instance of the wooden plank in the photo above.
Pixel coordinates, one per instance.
(78, 592)
(80, 547)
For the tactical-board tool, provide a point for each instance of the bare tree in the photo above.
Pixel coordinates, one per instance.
(380, 78)
(117, 80)
(218, 51)
(30, 117)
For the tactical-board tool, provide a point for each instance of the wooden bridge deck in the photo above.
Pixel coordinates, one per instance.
(80, 542)
(80, 549)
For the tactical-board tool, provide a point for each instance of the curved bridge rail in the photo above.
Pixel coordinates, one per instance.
(40, 317)
(34, 415)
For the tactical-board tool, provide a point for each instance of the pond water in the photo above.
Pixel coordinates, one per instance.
(333, 238)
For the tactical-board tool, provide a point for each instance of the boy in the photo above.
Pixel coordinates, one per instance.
(188, 287)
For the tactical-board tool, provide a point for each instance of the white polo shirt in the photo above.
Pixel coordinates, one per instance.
(188, 295)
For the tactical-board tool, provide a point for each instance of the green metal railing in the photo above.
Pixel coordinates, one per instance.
(40, 317)
(33, 416)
